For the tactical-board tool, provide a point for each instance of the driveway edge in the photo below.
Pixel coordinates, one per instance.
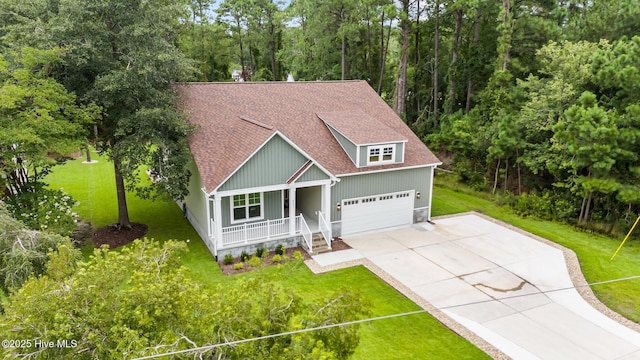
(571, 260)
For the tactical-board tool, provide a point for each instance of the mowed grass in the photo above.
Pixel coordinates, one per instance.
(409, 337)
(594, 251)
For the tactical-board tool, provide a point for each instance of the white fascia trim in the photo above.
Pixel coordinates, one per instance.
(385, 142)
(243, 163)
(393, 169)
(286, 139)
(302, 173)
(331, 176)
(269, 188)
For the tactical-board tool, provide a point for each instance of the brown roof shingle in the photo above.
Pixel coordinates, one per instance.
(235, 119)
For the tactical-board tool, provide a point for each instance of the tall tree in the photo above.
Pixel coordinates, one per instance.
(37, 116)
(123, 58)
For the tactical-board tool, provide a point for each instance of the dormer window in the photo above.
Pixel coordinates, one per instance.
(381, 154)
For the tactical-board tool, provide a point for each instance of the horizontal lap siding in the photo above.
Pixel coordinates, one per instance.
(381, 183)
(273, 164)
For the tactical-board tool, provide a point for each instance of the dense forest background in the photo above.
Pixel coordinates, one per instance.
(537, 101)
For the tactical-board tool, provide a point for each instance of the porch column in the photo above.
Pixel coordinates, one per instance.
(292, 210)
(326, 202)
(433, 170)
(217, 219)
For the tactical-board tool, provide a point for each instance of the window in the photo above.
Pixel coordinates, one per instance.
(381, 154)
(246, 207)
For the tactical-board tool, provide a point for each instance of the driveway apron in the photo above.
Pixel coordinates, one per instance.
(508, 288)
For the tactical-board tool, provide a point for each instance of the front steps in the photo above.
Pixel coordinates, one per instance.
(318, 244)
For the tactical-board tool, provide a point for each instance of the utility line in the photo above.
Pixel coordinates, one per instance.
(371, 319)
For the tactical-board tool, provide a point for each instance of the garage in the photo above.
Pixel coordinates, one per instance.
(377, 212)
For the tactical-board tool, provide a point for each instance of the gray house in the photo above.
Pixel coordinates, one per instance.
(300, 163)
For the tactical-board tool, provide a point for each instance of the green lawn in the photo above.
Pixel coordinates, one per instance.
(410, 337)
(593, 250)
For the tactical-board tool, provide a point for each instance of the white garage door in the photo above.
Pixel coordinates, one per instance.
(377, 212)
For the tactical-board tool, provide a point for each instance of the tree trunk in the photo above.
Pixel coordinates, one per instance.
(436, 59)
(88, 150)
(454, 61)
(495, 177)
(506, 175)
(519, 176)
(123, 211)
(476, 38)
(272, 52)
(507, 20)
(401, 84)
(344, 45)
(384, 48)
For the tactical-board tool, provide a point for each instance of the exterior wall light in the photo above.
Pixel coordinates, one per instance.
(418, 195)
(338, 207)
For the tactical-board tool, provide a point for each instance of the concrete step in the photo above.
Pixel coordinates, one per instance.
(319, 245)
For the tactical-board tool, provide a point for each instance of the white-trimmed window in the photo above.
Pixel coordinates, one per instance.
(381, 154)
(246, 207)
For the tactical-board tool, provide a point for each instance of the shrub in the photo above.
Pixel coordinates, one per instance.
(280, 249)
(297, 255)
(261, 251)
(276, 258)
(255, 261)
(238, 266)
(44, 209)
(228, 259)
(244, 256)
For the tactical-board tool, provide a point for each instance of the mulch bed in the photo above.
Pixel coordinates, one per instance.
(110, 235)
(336, 245)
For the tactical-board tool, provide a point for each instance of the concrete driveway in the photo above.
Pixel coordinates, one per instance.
(513, 291)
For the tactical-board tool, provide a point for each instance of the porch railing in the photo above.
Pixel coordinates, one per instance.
(306, 233)
(325, 229)
(251, 232)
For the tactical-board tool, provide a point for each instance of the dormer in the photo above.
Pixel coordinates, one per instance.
(367, 141)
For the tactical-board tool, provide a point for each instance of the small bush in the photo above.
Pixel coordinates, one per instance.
(297, 255)
(228, 259)
(276, 258)
(261, 251)
(44, 209)
(255, 261)
(238, 266)
(280, 249)
(244, 256)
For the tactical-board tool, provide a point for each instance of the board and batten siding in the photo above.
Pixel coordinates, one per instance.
(273, 164)
(364, 152)
(312, 174)
(349, 147)
(354, 186)
(196, 201)
(272, 207)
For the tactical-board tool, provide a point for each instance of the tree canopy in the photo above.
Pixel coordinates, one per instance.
(139, 301)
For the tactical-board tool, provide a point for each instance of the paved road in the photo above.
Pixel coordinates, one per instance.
(510, 289)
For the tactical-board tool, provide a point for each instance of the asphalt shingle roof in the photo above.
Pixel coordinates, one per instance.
(234, 119)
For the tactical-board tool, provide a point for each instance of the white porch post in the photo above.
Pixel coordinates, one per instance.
(433, 170)
(326, 202)
(292, 210)
(217, 219)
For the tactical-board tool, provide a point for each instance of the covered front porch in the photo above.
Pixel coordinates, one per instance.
(243, 219)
